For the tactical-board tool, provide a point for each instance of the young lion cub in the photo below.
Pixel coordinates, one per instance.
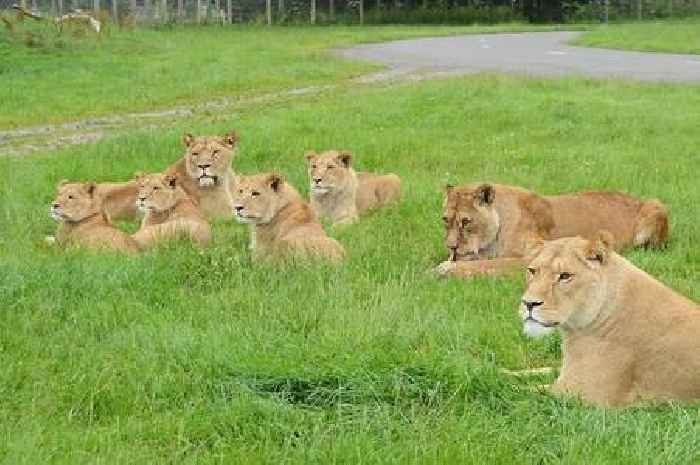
(625, 336)
(340, 193)
(83, 222)
(283, 224)
(169, 212)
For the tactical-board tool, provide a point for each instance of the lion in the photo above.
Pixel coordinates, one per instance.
(83, 222)
(205, 172)
(169, 213)
(626, 337)
(341, 194)
(282, 224)
(490, 221)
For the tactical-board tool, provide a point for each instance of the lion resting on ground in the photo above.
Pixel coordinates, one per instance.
(283, 225)
(83, 222)
(169, 213)
(205, 173)
(625, 336)
(488, 221)
(340, 193)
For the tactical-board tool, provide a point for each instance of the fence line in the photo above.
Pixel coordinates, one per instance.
(359, 11)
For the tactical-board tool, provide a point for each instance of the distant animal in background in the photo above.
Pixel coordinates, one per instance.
(626, 337)
(283, 224)
(169, 213)
(489, 221)
(341, 194)
(205, 172)
(83, 222)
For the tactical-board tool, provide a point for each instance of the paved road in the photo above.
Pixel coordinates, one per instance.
(542, 54)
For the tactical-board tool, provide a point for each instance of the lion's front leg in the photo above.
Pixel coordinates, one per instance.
(472, 268)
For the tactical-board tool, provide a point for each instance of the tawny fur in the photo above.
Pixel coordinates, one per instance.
(169, 213)
(490, 221)
(626, 337)
(83, 222)
(283, 225)
(341, 194)
(205, 172)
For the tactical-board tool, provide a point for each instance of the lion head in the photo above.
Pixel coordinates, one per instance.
(565, 284)
(75, 201)
(471, 221)
(329, 171)
(258, 198)
(208, 158)
(157, 192)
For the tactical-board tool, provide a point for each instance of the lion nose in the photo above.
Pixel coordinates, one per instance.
(142, 199)
(204, 166)
(56, 205)
(531, 304)
(317, 180)
(238, 208)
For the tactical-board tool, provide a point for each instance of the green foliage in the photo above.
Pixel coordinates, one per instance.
(673, 36)
(189, 356)
(436, 15)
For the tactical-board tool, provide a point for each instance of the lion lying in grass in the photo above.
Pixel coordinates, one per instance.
(283, 225)
(341, 194)
(169, 213)
(83, 222)
(489, 221)
(205, 172)
(626, 337)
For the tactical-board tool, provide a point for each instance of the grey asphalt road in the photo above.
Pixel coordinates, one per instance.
(540, 54)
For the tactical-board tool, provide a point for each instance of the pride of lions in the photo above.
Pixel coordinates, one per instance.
(626, 337)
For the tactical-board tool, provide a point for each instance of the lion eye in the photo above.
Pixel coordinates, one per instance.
(330, 167)
(314, 166)
(155, 188)
(255, 193)
(445, 219)
(240, 191)
(195, 154)
(70, 197)
(531, 271)
(565, 276)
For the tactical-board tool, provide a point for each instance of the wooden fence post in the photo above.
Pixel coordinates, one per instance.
(115, 11)
(229, 11)
(313, 11)
(180, 9)
(362, 11)
(639, 10)
(96, 6)
(331, 10)
(164, 11)
(60, 8)
(199, 11)
(132, 9)
(268, 11)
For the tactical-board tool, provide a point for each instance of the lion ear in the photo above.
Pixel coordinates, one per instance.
(187, 139)
(345, 157)
(90, 188)
(449, 188)
(275, 181)
(485, 194)
(231, 138)
(62, 182)
(170, 180)
(532, 245)
(599, 249)
(139, 175)
(310, 155)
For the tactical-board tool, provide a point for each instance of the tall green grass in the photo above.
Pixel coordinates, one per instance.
(199, 356)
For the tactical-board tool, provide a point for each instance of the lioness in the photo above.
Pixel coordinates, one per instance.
(169, 213)
(205, 173)
(340, 193)
(625, 336)
(83, 221)
(283, 225)
(488, 221)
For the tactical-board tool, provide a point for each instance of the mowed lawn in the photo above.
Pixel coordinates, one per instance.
(199, 356)
(670, 36)
(149, 69)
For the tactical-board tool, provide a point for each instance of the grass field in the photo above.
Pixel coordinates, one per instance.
(150, 69)
(189, 356)
(677, 36)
